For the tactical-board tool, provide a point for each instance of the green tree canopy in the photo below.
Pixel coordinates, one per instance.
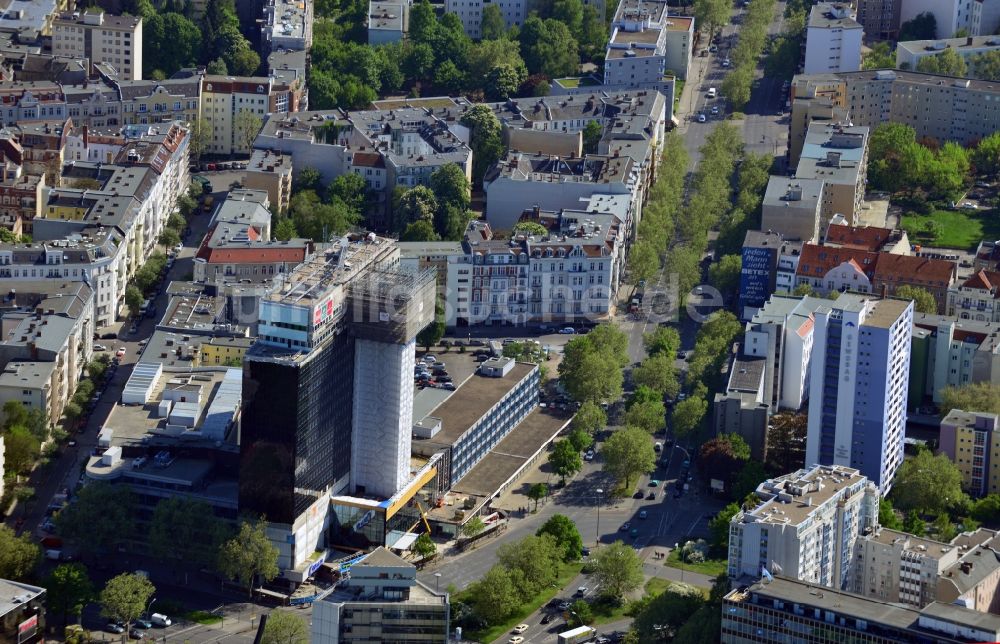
(486, 144)
(69, 589)
(618, 570)
(424, 545)
(186, 529)
(921, 27)
(947, 63)
(923, 301)
(880, 56)
(495, 597)
(565, 459)
(102, 516)
(649, 416)
(285, 627)
(18, 555)
(566, 535)
(536, 558)
(927, 483)
(249, 555)
(492, 26)
(629, 453)
(537, 492)
(663, 339)
(719, 527)
(976, 396)
(125, 598)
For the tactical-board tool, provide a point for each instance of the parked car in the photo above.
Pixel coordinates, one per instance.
(430, 359)
(517, 639)
(715, 109)
(100, 347)
(450, 386)
(567, 330)
(581, 591)
(142, 622)
(625, 526)
(112, 627)
(120, 353)
(643, 514)
(520, 628)
(547, 618)
(702, 118)
(726, 63)
(160, 619)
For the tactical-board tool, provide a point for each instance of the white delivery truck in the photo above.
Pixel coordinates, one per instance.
(577, 635)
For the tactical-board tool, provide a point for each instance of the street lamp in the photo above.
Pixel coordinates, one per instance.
(597, 540)
(437, 582)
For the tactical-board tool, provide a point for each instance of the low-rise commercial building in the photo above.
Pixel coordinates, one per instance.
(388, 22)
(22, 612)
(784, 609)
(382, 600)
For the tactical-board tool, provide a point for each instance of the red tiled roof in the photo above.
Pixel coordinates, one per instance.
(255, 255)
(984, 280)
(817, 261)
(368, 160)
(906, 269)
(866, 238)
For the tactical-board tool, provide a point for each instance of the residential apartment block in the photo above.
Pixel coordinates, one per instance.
(388, 22)
(388, 148)
(972, 443)
(286, 25)
(223, 99)
(837, 155)
(571, 273)
(805, 526)
(977, 298)
(793, 208)
(951, 352)
(884, 96)
(645, 43)
(48, 328)
(273, 174)
(101, 38)
(103, 235)
(879, 18)
(910, 53)
(827, 269)
(952, 16)
(858, 386)
(833, 39)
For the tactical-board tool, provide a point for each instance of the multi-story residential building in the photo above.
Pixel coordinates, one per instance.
(793, 208)
(223, 99)
(833, 39)
(645, 43)
(39, 147)
(388, 22)
(271, 173)
(972, 443)
(871, 238)
(382, 600)
(782, 332)
(783, 609)
(572, 273)
(805, 526)
(987, 256)
(552, 183)
(950, 352)
(142, 102)
(879, 18)
(837, 155)
(48, 329)
(910, 53)
(828, 269)
(858, 386)
(742, 408)
(977, 298)
(238, 246)
(950, 16)
(101, 38)
(328, 409)
(514, 12)
(22, 101)
(286, 25)
(884, 96)
(894, 566)
(388, 148)
(20, 196)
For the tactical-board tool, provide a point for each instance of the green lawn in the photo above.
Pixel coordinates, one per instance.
(203, 617)
(710, 567)
(961, 229)
(566, 574)
(568, 82)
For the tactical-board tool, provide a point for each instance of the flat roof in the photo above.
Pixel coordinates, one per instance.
(747, 373)
(471, 401)
(885, 313)
(512, 453)
(805, 492)
(15, 593)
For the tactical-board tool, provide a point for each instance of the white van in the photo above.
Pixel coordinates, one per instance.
(712, 92)
(160, 620)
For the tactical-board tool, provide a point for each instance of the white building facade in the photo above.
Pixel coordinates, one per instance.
(833, 39)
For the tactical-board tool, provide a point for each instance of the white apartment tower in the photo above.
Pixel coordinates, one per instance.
(114, 40)
(858, 385)
(833, 39)
(806, 526)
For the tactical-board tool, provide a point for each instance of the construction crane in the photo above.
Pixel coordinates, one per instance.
(423, 517)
